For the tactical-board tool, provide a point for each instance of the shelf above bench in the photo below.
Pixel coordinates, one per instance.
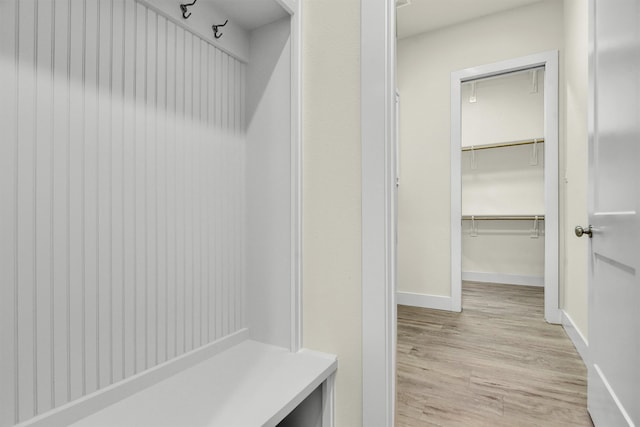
(250, 384)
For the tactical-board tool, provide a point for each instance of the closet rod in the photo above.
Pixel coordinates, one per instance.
(503, 144)
(503, 217)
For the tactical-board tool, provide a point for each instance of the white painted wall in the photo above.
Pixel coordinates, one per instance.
(505, 109)
(503, 181)
(574, 186)
(268, 172)
(503, 248)
(332, 278)
(425, 63)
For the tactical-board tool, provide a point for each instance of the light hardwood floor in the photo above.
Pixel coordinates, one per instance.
(498, 363)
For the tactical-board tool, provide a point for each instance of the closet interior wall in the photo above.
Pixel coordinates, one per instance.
(132, 153)
(503, 181)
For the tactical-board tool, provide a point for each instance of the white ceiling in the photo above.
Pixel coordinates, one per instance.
(251, 14)
(427, 15)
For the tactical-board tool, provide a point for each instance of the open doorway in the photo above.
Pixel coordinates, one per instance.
(502, 146)
(424, 70)
(515, 195)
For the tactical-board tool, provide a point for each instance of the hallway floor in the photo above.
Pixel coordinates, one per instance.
(498, 363)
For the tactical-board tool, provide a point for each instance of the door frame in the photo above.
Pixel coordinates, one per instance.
(549, 60)
(377, 107)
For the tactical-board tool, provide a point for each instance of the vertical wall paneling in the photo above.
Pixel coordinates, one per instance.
(60, 40)
(138, 194)
(161, 190)
(43, 206)
(228, 195)
(180, 190)
(9, 50)
(233, 106)
(116, 196)
(90, 194)
(204, 212)
(187, 171)
(224, 195)
(122, 232)
(172, 241)
(104, 293)
(217, 162)
(76, 183)
(206, 172)
(195, 218)
(240, 196)
(243, 198)
(128, 177)
(233, 101)
(150, 184)
(209, 168)
(27, 372)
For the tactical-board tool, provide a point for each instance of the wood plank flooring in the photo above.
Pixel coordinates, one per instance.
(498, 363)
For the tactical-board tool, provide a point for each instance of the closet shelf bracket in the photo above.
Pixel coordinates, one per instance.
(535, 231)
(534, 81)
(474, 159)
(473, 97)
(534, 153)
(474, 228)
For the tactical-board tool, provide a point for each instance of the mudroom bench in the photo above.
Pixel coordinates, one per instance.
(250, 384)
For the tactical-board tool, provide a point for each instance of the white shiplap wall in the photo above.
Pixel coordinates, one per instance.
(122, 197)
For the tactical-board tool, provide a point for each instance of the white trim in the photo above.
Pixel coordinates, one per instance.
(507, 279)
(328, 401)
(576, 337)
(321, 381)
(456, 193)
(598, 404)
(435, 302)
(289, 5)
(552, 311)
(87, 405)
(378, 87)
(549, 60)
(296, 177)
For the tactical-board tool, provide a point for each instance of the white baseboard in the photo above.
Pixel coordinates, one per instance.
(87, 405)
(509, 279)
(436, 302)
(576, 337)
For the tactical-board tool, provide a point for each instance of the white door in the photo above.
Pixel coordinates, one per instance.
(614, 174)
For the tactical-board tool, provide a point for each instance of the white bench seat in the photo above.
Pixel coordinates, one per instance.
(250, 384)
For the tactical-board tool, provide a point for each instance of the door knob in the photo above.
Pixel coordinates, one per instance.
(581, 231)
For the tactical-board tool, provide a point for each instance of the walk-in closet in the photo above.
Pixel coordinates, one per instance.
(503, 203)
(149, 246)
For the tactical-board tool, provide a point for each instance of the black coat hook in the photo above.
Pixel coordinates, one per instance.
(216, 32)
(184, 9)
